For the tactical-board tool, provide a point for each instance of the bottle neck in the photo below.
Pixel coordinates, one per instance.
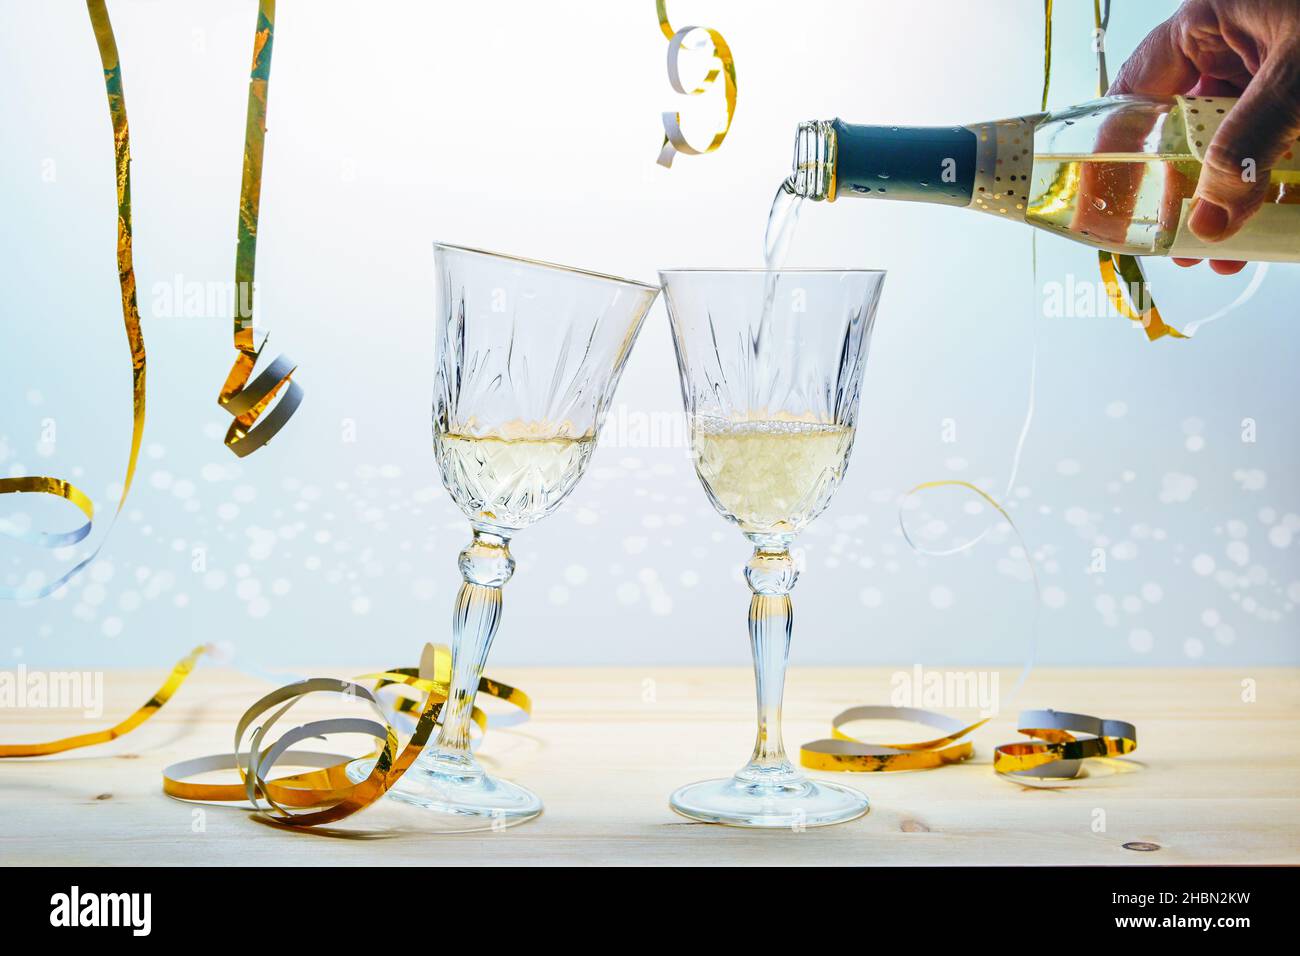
(813, 176)
(911, 163)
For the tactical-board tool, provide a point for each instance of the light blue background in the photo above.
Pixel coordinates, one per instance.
(532, 129)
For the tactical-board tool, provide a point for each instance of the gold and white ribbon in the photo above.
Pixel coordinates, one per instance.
(246, 401)
(323, 793)
(59, 487)
(1060, 743)
(844, 752)
(725, 69)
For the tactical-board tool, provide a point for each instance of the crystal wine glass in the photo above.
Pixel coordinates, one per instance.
(771, 367)
(529, 355)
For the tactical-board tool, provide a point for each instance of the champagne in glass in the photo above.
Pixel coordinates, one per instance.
(529, 355)
(508, 479)
(769, 476)
(771, 367)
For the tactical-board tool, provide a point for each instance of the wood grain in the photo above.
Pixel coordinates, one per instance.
(1216, 779)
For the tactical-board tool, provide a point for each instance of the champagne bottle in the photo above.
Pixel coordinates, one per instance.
(1117, 173)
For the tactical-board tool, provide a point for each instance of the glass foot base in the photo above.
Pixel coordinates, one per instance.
(469, 801)
(795, 804)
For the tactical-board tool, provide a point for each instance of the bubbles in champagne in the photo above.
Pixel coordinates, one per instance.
(510, 482)
(770, 477)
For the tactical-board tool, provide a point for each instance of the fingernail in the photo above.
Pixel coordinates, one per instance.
(1208, 220)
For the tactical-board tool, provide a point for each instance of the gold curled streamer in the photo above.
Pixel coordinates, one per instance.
(843, 752)
(407, 677)
(150, 707)
(247, 402)
(260, 761)
(1126, 285)
(58, 487)
(674, 139)
(1062, 741)
(324, 793)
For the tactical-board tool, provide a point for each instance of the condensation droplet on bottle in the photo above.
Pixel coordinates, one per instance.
(1099, 203)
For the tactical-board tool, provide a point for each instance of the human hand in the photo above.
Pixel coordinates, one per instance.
(1244, 48)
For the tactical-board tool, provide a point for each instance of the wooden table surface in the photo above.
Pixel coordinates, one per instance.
(1216, 779)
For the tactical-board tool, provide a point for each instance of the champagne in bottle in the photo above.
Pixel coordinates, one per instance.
(1118, 173)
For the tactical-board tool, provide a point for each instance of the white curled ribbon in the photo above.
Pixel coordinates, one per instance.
(725, 69)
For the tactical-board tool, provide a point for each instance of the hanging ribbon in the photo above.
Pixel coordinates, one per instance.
(1101, 23)
(59, 487)
(247, 402)
(1126, 285)
(674, 139)
(1030, 406)
(1047, 51)
(1123, 276)
(848, 750)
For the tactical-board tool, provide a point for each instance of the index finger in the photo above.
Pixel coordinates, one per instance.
(1158, 66)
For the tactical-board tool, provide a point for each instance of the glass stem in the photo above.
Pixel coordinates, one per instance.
(771, 575)
(485, 565)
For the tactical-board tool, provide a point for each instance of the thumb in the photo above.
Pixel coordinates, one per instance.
(1256, 132)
